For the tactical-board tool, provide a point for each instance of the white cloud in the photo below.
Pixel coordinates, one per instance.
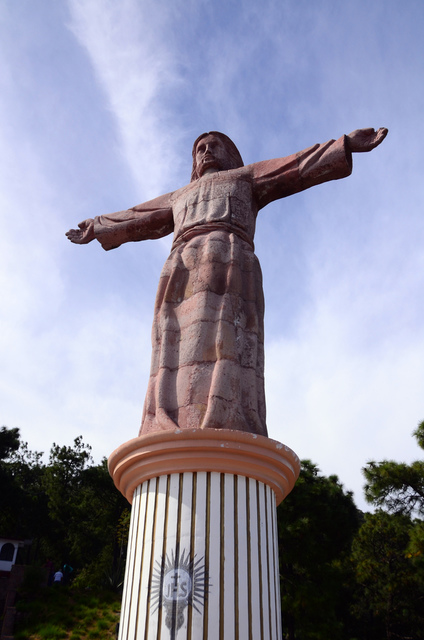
(139, 73)
(341, 397)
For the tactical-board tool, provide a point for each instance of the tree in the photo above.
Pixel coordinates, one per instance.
(23, 504)
(397, 486)
(84, 509)
(316, 525)
(69, 507)
(389, 597)
(388, 553)
(9, 441)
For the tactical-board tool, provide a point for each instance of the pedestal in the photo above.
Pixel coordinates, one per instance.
(202, 559)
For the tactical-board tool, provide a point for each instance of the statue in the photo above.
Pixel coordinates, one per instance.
(207, 368)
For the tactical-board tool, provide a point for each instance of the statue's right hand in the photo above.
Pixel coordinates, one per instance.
(84, 234)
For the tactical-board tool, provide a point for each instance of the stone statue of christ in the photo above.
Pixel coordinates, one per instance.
(207, 368)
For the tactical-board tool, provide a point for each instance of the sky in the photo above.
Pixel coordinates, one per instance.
(100, 103)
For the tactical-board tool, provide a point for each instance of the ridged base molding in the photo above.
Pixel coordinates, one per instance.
(202, 559)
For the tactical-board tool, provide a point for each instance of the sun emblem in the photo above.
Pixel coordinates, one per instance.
(177, 582)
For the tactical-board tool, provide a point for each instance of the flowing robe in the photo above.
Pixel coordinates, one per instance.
(207, 368)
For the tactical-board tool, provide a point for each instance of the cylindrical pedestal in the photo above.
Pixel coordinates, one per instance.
(202, 559)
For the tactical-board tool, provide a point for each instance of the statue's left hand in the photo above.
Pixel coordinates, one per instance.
(366, 139)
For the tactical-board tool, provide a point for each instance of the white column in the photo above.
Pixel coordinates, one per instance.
(202, 559)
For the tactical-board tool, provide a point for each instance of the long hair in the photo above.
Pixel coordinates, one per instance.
(234, 156)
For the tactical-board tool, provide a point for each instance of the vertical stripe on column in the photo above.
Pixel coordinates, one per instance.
(126, 594)
(249, 559)
(192, 551)
(175, 553)
(273, 610)
(157, 586)
(185, 536)
(254, 583)
(263, 543)
(214, 555)
(129, 565)
(259, 545)
(243, 606)
(145, 546)
(221, 553)
(227, 581)
(228, 554)
(207, 551)
(138, 561)
(236, 560)
(152, 594)
(167, 613)
(277, 568)
(200, 521)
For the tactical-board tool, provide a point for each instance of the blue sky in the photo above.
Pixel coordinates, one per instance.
(100, 103)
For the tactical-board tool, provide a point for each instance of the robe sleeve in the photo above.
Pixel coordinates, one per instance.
(147, 221)
(274, 179)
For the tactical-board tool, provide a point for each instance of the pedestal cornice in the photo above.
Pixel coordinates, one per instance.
(191, 450)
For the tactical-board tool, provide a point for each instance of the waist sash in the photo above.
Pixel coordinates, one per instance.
(207, 228)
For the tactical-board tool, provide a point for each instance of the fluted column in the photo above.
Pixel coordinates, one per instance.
(203, 555)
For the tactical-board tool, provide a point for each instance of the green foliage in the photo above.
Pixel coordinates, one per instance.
(66, 612)
(419, 434)
(389, 594)
(52, 632)
(316, 523)
(397, 486)
(69, 508)
(23, 505)
(388, 553)
(416, 543)
(9, 441)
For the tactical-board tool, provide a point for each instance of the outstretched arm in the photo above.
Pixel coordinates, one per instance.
(362, 140)
(146, 221)
(332, 160)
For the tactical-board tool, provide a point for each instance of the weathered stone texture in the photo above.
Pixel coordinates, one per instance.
(207, 367)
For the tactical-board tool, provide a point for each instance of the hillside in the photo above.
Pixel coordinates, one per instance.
(69, 614)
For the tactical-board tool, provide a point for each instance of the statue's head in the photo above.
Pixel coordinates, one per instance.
(214, 151)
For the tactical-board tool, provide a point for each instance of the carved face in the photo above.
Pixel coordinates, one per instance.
(211, 155)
